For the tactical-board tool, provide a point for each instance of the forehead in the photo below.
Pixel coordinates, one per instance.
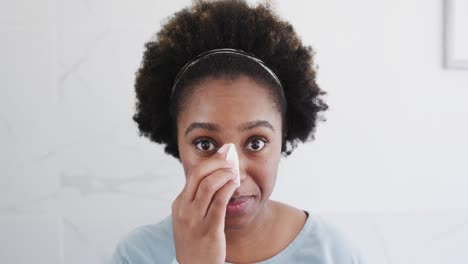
(229, 102)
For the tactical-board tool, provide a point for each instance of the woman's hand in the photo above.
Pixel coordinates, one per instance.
(199, 210)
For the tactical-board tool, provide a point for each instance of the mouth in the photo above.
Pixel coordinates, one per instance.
(238, 205)
(239, 199)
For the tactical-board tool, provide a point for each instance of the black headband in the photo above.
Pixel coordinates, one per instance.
(225, 51)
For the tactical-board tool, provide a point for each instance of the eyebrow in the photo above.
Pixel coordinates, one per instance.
(216, 128)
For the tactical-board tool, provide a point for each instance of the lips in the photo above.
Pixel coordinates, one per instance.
(239, 199)
(238, 205)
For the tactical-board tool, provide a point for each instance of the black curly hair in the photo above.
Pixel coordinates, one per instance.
(208, 25)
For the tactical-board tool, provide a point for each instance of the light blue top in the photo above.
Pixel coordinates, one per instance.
(318, 242)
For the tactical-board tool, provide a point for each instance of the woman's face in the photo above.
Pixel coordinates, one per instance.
(238, 111)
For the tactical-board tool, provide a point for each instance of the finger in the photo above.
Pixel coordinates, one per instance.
(205, 168)
(217, 209)
(209, 186)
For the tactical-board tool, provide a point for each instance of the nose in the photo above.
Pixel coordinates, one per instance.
(235, 155)
(242, 165)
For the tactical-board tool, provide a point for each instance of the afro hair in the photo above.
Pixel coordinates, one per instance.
(207, 25)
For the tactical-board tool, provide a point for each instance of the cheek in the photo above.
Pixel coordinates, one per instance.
(263, 172)
(188, 161)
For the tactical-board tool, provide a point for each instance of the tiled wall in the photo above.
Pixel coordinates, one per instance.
(75, 177)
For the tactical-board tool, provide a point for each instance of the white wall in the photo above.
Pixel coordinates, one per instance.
(389, 165)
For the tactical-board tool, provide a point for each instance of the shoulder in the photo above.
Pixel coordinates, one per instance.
(329, 241)
(145, 244)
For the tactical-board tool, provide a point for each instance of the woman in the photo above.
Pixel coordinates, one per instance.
(223, 72)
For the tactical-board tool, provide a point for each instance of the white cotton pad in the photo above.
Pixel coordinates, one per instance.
(232, 155)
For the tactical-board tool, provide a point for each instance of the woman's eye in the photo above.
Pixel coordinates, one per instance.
(256, 144)
(204, 145)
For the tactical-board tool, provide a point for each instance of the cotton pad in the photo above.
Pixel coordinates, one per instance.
(232, 155)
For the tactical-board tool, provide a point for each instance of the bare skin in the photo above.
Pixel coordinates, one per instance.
(239, 111)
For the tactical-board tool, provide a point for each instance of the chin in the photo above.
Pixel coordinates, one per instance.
(235, 223)
(238, 218)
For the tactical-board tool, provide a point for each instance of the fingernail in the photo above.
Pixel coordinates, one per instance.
(236, 181)
(234, 171)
